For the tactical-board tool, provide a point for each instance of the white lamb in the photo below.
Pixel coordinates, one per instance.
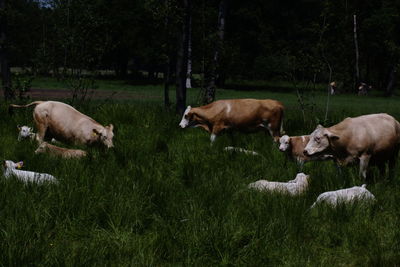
(242, 150)
(348, 195)
(293, 187)
(10, 169)
(26, 132)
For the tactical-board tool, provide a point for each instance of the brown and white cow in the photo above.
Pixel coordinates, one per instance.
(369, 139)
(66, 123)
(294, 146)
(53, 150)
(241, 114)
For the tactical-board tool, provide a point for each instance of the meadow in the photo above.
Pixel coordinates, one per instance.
(164, 196)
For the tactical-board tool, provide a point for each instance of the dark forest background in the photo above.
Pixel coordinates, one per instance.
(226, 41)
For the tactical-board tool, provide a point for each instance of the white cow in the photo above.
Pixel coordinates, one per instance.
(293, 187)
(348, 195)
(10, 169)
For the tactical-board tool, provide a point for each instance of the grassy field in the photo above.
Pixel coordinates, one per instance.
(164, 196)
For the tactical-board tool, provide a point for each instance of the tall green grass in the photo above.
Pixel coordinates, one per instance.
(164, 196)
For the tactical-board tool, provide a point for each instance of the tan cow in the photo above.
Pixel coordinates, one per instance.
(241, 114)
(66, 123)
(369, 139)
(293, 147)
(45, 147)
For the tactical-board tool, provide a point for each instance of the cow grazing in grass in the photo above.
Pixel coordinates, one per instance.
(66, 123)
(10, 170)
(294, 187)
(369, 139)
(293, 147)
(345, 196)
(45, 147)
(241, 114)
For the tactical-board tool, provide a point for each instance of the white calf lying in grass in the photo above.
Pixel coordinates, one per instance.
(348, 195)
(26, 132)
(60, 151)
(292, 187)
(10, 169)
(242, 150)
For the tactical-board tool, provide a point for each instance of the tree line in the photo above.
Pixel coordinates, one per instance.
(220, 41)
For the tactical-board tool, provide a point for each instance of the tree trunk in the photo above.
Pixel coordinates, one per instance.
(182, 59)
(392, 80)
(189, 59)
(357, 70)
(213, 75)
(5, 67)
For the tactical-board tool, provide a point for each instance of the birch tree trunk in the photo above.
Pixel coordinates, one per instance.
(189, 59)
(357, 70)
(5, 67)
(210, 91)
(182, 59)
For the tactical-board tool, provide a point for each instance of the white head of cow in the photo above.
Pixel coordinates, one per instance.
(185, 120)
(105, 135)
(284, 143)
(320, 141)
(24, 132)
(8, 164)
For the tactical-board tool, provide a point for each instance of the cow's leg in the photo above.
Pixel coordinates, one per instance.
(41, 127)
(364, 160)
(381, 167)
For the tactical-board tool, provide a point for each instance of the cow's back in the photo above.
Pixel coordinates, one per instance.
(62, 120)
(373, 133)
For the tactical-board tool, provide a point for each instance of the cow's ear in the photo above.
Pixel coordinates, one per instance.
(20, 164)
(19, 127)
(319, 126)
(331, 135)
(111, 127)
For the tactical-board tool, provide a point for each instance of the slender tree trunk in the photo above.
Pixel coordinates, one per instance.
(167, 79)
(167, 66)
(213, 75)
(357, 70)
(5, 67)
(181, 64)
(189, 59)
(392, 80)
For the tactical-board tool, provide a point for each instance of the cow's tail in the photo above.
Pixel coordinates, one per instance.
(12, 106)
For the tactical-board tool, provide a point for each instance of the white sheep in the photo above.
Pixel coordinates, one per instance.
(26, 132)
(242, 150)
(293, 187)
(348, 195)
(10, 169)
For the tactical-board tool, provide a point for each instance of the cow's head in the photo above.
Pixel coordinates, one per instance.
(42, 148)
(186, 118)
(8, 164)
(320, 142)
(284, 143)
(105, 135)
(24, 132)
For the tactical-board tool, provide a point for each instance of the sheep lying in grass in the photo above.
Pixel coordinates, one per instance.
(10, 169)
(348, 195)
(293, 187)
(242, 150)
(26, 132)
(60, 151)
